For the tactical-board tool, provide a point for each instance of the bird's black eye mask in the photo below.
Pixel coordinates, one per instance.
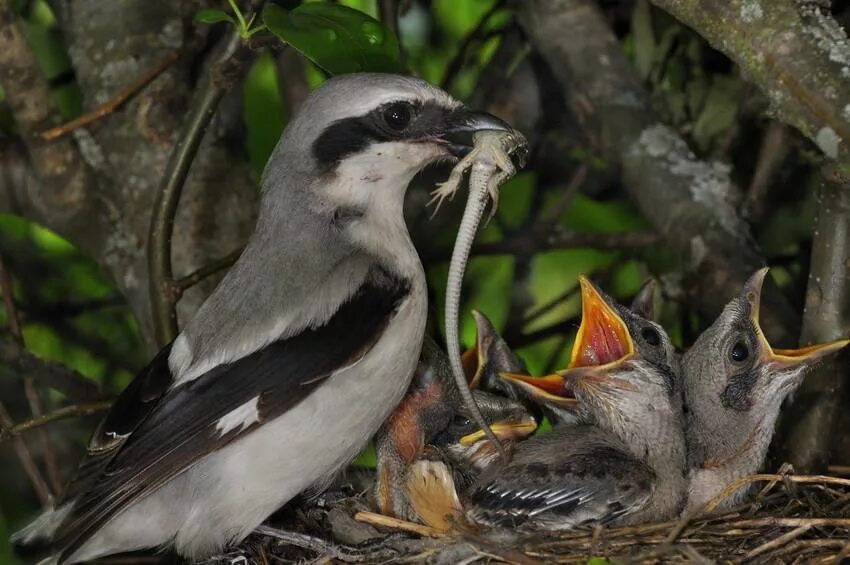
(394, 121)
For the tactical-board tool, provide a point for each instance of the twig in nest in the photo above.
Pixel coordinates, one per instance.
(779, 541)
(110, 106)
(396, 524)
(317, 545)
(734, 486)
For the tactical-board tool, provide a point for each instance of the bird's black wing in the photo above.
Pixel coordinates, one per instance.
(572, 476)
(182, 427)
(128, 411)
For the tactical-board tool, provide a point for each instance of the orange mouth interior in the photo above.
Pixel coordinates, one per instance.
(602, 336)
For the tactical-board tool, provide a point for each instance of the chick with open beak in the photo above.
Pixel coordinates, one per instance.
(433, 423)
(734, 386)
(622, 460)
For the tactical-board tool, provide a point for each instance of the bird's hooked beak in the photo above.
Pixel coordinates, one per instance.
(462, 124)
(509, 429)
(782, 359)
(602, 345)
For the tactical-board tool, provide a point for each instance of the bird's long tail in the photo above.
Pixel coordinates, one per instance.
(35, 540)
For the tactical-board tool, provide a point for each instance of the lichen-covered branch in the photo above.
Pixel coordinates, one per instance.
(813, 415)
(692, 203)
(794, 51)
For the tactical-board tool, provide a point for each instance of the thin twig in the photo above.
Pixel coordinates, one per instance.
(558, 238)
(163, 297)
(70, 411)
(734, 486)
(456, 64)
(774, 148)
(110, 106)
(388, 12)
(779, 541)
(31, 393)
(212, 268)
(553, 215)
(317, 545)
(27, 461)
(52, 375)
(396, 524)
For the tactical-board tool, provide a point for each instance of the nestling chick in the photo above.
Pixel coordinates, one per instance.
(734, 384)
(432, 423)
(622, 461)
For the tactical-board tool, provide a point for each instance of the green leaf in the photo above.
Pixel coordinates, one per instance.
(213, 17)
(336, 38)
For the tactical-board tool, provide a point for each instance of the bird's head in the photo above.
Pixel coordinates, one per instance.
(467, 443)
(348, 155)
(372, 131)
(620, 362)
(733, 375)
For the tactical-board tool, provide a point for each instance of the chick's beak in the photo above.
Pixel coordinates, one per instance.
(602, 344)
(783, 358)
(553, 389)
(602, 336)
(507, 430)
(461, 125)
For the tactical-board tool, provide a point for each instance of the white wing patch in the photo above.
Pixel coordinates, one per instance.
(240, 417)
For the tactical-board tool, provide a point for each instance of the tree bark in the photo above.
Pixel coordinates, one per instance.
(795, 52)
(813, 416)
(693, 204)
(101, 197)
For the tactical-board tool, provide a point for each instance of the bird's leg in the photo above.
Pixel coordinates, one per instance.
(491, 146)
(447, 188)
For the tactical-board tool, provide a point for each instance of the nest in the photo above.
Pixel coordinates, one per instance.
(789, 519)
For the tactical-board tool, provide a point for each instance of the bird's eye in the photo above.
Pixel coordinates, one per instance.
(739, 352)
(397, 116)
(461, 421)
(651, 336)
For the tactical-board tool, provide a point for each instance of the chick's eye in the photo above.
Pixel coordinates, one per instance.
(461, 421)
(651, 336)
(398, 116)
(739, 352)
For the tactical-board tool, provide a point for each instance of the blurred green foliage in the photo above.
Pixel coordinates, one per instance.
(337, 38)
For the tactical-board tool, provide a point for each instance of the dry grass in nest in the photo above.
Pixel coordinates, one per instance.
(791, 519)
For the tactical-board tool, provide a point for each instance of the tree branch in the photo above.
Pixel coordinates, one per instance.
(163, 298)
(691, 203)
(52, 375)
(795, 52)
(71, 411)
(813, 415)
(113, 104)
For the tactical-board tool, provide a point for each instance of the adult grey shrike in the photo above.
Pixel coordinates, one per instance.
(299, 355)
